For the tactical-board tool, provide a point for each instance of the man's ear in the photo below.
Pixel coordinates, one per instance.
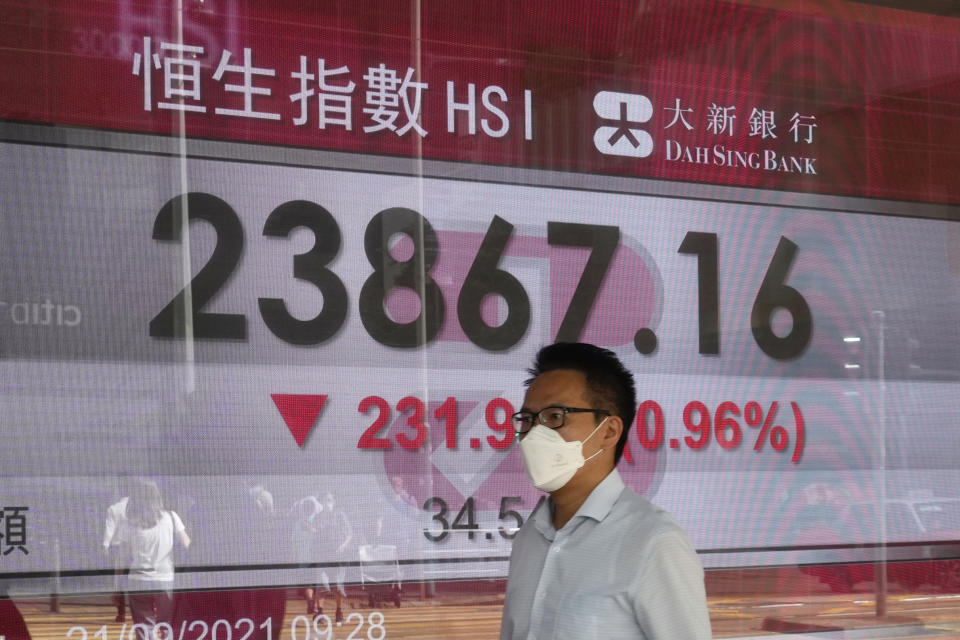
(610, 432)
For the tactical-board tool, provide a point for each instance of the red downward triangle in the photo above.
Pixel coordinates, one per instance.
(299, 412)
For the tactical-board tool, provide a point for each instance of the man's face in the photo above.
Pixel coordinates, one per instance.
(564, 388)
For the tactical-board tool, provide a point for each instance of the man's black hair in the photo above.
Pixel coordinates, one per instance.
(609, 384)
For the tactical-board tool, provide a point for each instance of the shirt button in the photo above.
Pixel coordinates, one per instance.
(556, 550)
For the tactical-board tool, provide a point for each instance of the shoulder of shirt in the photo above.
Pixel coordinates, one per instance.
(529, 525)
(633, 511)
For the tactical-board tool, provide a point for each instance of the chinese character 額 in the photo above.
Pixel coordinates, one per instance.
(678, 115)
(335, 102)
(248, 90)
(385, 92)
(14, 534)
(807, 123)
(762, 124)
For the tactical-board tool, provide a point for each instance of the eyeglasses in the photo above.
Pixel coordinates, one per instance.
(550, 417)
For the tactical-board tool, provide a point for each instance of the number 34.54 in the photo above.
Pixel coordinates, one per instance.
(466, 519)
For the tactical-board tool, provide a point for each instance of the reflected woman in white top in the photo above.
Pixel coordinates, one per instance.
(148, 535)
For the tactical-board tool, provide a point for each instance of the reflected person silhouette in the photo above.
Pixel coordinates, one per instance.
(148, 534)
(336, 538)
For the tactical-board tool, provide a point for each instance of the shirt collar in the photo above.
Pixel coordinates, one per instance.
(597, 505)
(600, 501)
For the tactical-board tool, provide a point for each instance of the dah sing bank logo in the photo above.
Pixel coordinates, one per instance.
(621, 134)
(625, 139)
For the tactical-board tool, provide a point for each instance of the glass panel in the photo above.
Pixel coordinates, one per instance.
(272, 276)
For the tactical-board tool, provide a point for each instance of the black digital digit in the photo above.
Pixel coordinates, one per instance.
(603, 241)
(774, 294)
(471, 525)
(440, 517)
(509, 513)
(485, 278)
(412, 274)
(172, 320)
(704, 246)
(311, 267)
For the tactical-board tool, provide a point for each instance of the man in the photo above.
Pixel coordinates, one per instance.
(596, 560)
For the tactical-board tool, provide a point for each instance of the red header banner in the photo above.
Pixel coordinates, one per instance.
(863, 101)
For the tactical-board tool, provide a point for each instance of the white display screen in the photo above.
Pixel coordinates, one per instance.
(279, 258)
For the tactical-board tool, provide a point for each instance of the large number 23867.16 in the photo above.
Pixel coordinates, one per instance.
(184, 314)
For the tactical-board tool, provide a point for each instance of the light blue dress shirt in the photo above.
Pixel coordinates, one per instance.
(620, 568)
